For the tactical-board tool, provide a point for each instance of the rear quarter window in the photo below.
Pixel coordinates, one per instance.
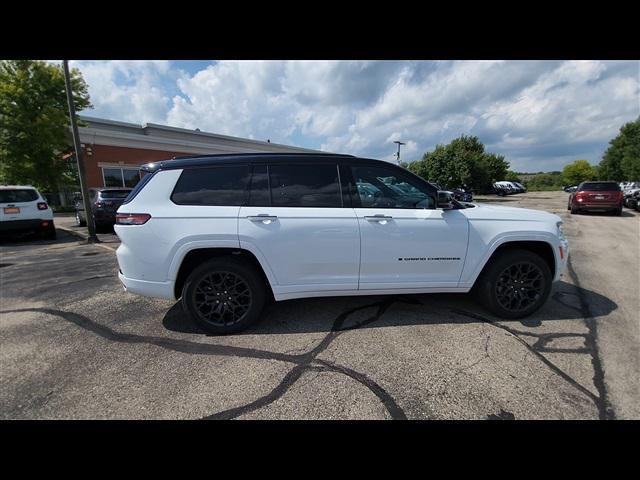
(214, 186)
(18, 195)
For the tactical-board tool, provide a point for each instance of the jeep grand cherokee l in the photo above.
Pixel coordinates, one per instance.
(226, 232)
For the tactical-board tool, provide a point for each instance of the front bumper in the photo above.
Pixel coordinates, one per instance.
(563, 258)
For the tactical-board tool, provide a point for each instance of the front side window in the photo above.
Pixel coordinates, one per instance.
(379, 187)
(313, 185)
(215, 186)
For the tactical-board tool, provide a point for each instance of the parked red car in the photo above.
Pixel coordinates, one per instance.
(598, 196)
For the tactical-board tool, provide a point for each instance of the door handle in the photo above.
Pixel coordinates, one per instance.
(263, 217)
(379, 218)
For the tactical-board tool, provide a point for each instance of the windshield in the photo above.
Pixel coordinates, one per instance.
(18, 195)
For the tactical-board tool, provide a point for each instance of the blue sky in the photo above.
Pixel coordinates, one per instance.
(539, 114)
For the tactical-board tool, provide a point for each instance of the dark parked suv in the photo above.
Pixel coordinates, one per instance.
(104, 203)
(599, 196)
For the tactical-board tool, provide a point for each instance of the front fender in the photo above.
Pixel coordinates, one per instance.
(481, 249)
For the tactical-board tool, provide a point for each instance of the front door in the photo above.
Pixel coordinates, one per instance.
(405, 241)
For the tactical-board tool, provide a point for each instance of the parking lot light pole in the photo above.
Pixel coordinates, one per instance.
(78, 148)
(398, 154)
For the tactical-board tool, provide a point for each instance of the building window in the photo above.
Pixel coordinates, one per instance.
(120, 177)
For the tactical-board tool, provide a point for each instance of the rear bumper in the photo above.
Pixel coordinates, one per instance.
(36, 224)
(598, 206)
(147, 288)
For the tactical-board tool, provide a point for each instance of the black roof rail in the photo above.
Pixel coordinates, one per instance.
(203, 160)
(260, 154)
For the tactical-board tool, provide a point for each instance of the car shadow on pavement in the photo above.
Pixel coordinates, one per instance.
(316, 315)
(625, 213)
(18, 239)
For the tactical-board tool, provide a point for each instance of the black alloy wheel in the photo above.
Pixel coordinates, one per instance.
(519, 286)
(224, 295)
(514, 284)
(222, 298)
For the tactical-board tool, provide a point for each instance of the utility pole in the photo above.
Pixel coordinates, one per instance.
(398, 154)
(76, 144)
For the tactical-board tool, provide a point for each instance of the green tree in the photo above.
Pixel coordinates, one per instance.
(577, 172)
(34, 122)
(462, 161)
(621, 161)
(511, 176)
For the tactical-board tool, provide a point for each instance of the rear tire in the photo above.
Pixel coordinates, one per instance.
(50, 232)
(515, 284)
(574, 209)
(618, 212)
(224, 296)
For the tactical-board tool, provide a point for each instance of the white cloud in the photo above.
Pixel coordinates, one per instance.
(533, 112)
(131, 91)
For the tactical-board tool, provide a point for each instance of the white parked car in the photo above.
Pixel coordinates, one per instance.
(22, 209)
(226, 232)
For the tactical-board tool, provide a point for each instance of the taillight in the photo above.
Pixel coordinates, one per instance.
(132, 218)
(42, 206)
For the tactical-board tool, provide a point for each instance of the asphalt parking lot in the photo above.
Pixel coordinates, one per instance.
(75, 345)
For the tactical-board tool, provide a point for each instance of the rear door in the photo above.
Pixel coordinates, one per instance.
(296, 222)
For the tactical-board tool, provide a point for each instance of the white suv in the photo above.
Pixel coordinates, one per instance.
(23, 209)
(227, 232)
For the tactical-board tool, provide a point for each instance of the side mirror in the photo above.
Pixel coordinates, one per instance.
(445, 200)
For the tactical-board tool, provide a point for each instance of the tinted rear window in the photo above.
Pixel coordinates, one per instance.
(18, 195)
(599, 187)
(114, 193)
(305, 185)
(223, 186)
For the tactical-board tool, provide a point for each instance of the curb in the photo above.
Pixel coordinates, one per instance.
(84, 236)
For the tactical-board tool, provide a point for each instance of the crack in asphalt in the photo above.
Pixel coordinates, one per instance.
(302, 362)
(308, 361)
(601, 401)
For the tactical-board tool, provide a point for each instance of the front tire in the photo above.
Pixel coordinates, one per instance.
(224, 296)
(515, 284)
